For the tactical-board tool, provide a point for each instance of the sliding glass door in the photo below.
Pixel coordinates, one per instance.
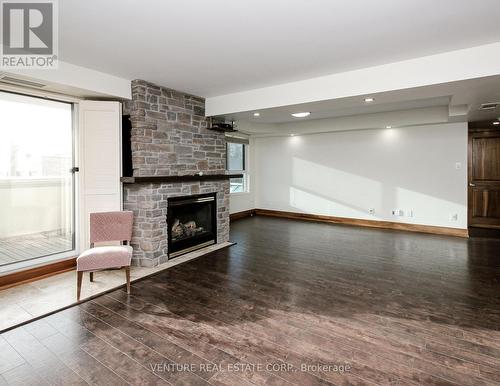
(36, 179)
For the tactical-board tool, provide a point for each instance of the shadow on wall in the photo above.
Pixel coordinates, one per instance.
(346, 174)
(333, 194)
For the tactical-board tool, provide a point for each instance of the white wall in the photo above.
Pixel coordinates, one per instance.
(240, 202)
(345, 174)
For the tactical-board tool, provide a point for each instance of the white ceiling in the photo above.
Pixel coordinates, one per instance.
(440, 103)
(215, 47)
(462, 100)
(334, 108)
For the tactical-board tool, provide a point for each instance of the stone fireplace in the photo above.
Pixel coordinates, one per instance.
(173, 155)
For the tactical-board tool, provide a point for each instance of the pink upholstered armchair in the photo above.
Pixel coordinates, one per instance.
(106, 227)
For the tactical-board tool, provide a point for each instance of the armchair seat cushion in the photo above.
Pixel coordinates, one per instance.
(96, 258)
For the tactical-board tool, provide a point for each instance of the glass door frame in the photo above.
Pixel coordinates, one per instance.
(75, 181)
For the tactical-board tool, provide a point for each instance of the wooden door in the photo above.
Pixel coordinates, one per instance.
(484, 178)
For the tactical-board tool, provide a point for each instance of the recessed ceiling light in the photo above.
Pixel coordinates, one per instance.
(369, 100)
(496, 123)
(301, 115)
(291, 135)
(256, 114)
(388, 127)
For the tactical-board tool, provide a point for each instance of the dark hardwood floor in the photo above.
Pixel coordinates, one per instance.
(292, 303)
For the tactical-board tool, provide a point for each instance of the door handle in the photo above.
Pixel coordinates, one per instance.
(471, 184)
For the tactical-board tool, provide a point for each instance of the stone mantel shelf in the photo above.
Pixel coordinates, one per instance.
(174, 179)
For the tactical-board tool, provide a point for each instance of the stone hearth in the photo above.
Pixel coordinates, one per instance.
(169, 138)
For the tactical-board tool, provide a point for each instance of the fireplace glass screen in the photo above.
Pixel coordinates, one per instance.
(191, 223)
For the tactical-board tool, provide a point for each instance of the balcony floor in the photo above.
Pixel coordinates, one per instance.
(26, 247)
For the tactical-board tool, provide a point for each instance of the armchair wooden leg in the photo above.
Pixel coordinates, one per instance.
(91, 276)
(79, 278)
(127, 274)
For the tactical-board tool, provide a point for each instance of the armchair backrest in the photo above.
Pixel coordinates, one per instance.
(111, 226)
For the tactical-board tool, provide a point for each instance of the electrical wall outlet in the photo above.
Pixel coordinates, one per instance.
(398, 212)
(454, 217)
(371, 211)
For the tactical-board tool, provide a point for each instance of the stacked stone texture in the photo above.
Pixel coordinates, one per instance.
(170, 137)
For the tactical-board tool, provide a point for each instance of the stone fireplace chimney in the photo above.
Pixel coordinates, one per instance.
(169, 137)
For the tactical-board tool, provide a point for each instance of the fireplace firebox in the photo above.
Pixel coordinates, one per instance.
(191, 222)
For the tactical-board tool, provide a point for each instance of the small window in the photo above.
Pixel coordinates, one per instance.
(236, 163)
(237, 185)
(235, 156)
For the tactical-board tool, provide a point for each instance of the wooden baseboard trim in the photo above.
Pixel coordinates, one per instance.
(365, 223)
(240, 215)
(37, 273)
